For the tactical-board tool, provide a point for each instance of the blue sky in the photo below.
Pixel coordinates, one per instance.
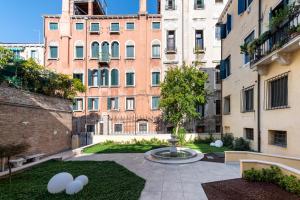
(21, 20)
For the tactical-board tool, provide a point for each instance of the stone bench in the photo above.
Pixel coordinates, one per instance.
(17, 162)
(34, 158)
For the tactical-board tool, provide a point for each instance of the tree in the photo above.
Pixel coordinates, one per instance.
(182, 90)
(10, 150)
(6, 56)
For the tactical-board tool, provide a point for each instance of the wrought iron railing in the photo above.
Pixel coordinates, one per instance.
(104, 57)
(274, 39)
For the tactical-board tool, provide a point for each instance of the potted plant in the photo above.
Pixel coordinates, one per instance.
(244, 48)
(294, 31)
(280, 17)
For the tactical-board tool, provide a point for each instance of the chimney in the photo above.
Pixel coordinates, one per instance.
(143, 7)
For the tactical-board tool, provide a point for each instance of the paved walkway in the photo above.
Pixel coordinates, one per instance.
(174, 182)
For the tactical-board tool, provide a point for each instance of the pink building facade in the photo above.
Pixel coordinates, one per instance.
(117, 57)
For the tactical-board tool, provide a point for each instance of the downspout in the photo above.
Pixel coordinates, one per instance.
(182, 32)
(221, 106)
(86, 75)
(258, 87)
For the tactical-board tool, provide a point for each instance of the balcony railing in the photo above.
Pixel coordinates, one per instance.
(171, 49)
(273, 40)
(170, 6)
(104, 57)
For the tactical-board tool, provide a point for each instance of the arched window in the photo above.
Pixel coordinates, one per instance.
(115, 50)
(130, 50)
(156, 49)
(95, 50)
(105, 51)
(114, 77)
(79, 49)
(104, 77)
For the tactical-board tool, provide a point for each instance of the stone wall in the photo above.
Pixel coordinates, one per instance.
(45, 123)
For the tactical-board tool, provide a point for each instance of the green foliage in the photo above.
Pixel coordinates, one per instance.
(107, 181)
(274, 175)
(182, 90)
(180, 135)
(6, 56)
(280, 16)
(240, 144)
(206, 140)
(33, 77)
(227, 140)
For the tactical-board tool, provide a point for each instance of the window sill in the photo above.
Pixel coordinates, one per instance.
(53, 58)
(77, 110)
(129, 58)
(155, 58)
(78, 59)
(155, 86)
(93, 110)
(248, 111)
(93, 86)
(114, 86)
(154, 109)
(104, 86)
(129, 86)
(94, 58)
(115, 58)
(114, 110)
(226, 113)
(129, 110)
(278, 145)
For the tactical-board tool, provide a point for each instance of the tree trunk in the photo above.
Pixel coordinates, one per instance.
(177, 128)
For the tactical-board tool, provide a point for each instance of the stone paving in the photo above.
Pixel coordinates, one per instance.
(174, 182)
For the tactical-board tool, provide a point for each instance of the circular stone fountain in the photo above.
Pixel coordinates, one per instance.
(173, 154)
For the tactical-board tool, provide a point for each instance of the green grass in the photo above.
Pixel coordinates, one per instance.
(107, 181)
(142, 148)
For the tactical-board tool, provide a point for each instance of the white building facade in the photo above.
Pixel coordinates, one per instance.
(25, 51)
(189, 36)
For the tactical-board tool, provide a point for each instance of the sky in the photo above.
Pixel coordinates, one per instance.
(21, 20)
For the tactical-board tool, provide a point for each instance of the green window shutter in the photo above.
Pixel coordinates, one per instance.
(99, 77)
(114, 77)
(75, 105)
(90, 104)
(89, 77)
(79, 52)
(108, 103)
(117, 103)
(95, 50)
(96, 103)
(53, 52)
(106, 77)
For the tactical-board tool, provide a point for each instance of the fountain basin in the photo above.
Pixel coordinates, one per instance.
(165, 156)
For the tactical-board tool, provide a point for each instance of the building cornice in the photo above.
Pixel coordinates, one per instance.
(224, 11)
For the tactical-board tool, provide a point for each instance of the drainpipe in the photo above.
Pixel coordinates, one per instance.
(258, 87)
(182, 32)
(86, 75)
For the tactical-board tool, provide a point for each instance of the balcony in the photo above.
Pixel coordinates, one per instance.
(199, 50)
(277, 44)
(171, 50)
(104, 58)
(170, 6)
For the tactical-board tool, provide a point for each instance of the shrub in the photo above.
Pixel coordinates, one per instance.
(240, 144)
(274, 175)
(227, 140)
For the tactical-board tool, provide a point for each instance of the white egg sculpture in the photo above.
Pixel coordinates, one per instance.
(83, 179)
(212, 144)
(74, 187)
(59, 182)
(218, 143)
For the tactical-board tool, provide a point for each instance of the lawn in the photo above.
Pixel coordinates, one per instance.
(107, 181)
(142, 148)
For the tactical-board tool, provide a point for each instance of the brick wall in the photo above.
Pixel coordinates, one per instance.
(45, 123)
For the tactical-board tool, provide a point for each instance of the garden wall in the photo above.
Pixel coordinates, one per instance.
(45, 123)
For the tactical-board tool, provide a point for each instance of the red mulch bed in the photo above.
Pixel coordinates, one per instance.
(239, 189)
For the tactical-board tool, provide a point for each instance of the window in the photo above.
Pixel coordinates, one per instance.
(218, 1)
(228, 24)
(118, 128)
(201, 110)
(218, 107)
(218, 129)
(53, 26)
(95, 27)
(278, 138)
(93, 104)
(225, 68)
(143, 126)
(171, 41)
(112, 103)
(33, 54)
(95, 50)
(130, 26)
(93, 76)
(217, 75)
(248, 99)
(79, 26)
(227, 105)
(130, 103)
(104, 80)
(249, 133)
(115, 50)
(130, 51)
(199, 4)
(155, 50)
(91, 128)
(130, 79)
(79, 51)
(170, 4)
(155, 78)
(277, 92)
(156, 25)
(53, 52)
(243, 5)
(114, 27)
(199, 40)
(114, 77)
(104, 56)
(247, 40)
(78, 104)
(155, 103)
(78, 76)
